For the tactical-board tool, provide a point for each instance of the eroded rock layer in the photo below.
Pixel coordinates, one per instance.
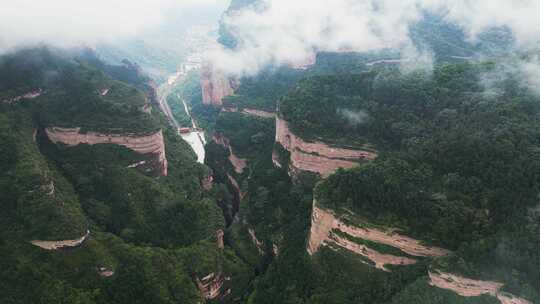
(215, 86)
(61, 244)
(325, 225)
(472, 288)
(316, 157)
(152, 144)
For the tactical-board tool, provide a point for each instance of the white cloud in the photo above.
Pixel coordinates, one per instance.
(531, 69)
(68, 22)
(290, 31)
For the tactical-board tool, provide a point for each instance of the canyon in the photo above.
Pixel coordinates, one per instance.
(327, 229)
(472, 288)
(148, 144)
(61, 244)
(317, 157)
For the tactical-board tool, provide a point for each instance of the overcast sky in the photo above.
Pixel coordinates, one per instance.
(284, 31)
(73, 22)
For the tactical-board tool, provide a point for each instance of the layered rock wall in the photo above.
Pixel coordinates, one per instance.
(317, 157)
(472, 288)
(212, 286)
(215, 86)
(325, 224)
(152, 144)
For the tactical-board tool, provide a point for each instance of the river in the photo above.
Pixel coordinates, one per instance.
(195, 137)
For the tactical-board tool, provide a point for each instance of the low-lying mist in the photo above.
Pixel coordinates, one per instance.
(282, 32)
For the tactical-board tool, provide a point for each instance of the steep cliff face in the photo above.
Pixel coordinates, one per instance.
(472, 288)
(329, 230)
(316, 157)
(215, 86)
(152, 144)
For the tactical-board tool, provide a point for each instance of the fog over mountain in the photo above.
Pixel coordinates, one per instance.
(76, 22)
(281, 32)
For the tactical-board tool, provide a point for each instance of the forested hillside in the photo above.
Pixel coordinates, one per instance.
(457, 168)
(93, 223)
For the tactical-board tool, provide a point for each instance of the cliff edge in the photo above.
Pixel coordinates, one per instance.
(317, 157)
(152, 144)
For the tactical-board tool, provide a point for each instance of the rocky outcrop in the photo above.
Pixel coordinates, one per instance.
(207, 182)
(63, 244)
(238, 163)
(472, 288)
(275, 159)
(215, 86)
(48, 188)
(250, 112)
(104, 272)
(256, 242)
(151, 144)
(147, 108)
(29, 95)
(316, 157)
(219, 239)
(328, 229)
(212, 286)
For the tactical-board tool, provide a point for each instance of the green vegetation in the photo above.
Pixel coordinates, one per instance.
(460, 170)
(27, 182)
(457, 168)
(264, 90)
(249, 135)
(150, 236)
